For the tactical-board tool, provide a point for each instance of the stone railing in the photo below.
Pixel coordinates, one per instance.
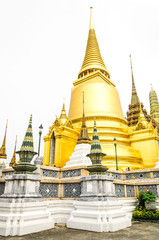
(65, 183)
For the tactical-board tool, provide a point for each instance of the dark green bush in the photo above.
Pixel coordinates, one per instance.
(142, 213)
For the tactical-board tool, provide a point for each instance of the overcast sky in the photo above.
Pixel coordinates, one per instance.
(42, 46)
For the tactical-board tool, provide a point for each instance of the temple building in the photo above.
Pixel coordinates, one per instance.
(137, 137)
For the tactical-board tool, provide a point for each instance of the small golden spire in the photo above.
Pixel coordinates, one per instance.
(63, 117)
(13, 160)
(91, 26)
(3, 148)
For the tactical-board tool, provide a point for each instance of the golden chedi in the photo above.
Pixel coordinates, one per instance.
(101, 102)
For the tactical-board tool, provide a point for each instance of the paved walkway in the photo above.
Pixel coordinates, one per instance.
(138, 231)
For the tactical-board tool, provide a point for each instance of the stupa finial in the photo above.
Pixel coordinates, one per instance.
(91, 26)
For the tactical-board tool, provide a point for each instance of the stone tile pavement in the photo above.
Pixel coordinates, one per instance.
(138, 231)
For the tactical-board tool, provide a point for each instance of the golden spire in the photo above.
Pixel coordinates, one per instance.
(3, 148)
(134, 97)
(83, 138)
(13, 160)
(63, 116)
(93, 60)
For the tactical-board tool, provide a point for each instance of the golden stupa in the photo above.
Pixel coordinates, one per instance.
(136, 145)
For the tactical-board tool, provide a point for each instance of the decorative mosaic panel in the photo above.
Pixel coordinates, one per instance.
(116, 176)
(119, 190)
(156, 174)
(152, 188)
(130, 191)
(49, 173)
(72, 190)
(2, 185)
(49, 190)
(141, 175)
(71, 173)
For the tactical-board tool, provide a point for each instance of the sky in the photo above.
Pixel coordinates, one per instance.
(42, 47)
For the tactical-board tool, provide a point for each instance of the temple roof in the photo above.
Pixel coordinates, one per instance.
(93, 60)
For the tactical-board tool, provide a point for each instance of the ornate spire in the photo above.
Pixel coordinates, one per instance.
(93, 60)
(26, 153)
(95, 146)
(154, 105)
(27, 144)
(134, 97)
(3, 148)
(96, 155)
(83, 138)
(13, 160)
(63, 117)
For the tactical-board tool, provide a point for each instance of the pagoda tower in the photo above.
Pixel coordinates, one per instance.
(134, 108)
(154, 105)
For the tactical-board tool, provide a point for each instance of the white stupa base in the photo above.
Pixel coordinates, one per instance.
(24, 218)
(78, 157)
(105, 216)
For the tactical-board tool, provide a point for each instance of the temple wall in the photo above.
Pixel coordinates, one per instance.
(64, 183)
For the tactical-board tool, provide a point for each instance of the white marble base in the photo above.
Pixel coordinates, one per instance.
(78, 157)
(105, 216)
(24, 218)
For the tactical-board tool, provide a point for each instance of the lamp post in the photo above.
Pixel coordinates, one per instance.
(40, 132)
(115, 145)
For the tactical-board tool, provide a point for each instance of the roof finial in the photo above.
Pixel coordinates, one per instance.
(91, 26)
